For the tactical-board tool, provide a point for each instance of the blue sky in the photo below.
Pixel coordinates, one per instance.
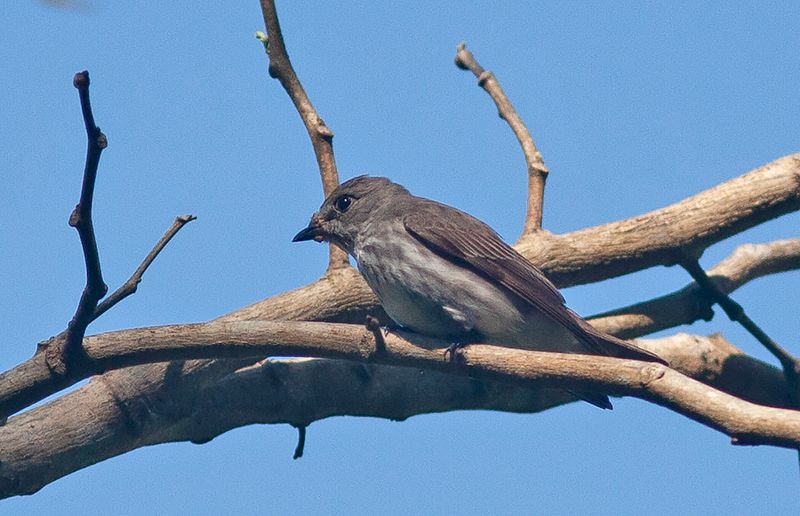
(633, 105)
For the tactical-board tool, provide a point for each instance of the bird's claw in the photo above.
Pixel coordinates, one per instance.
(453, 352)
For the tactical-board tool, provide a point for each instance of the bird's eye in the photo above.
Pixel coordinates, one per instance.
(343, 203)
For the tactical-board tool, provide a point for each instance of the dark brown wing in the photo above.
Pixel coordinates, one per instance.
(463, 238)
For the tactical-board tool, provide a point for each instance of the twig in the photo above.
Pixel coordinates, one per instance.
(301, 441)
(537, 170)
(280, 67)
(60, 356)
(791, 366)
(130, 286)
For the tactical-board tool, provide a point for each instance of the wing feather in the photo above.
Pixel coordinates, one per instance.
(464, 239)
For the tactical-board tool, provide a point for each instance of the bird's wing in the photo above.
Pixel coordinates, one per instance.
(466, 240)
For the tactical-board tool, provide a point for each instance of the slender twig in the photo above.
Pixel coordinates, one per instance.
(60, 356)
(537, 170)
(280, 67)
(301, 441)
(130, 286)
(791, 366)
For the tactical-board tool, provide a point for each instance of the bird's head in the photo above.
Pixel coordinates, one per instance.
(348, 209)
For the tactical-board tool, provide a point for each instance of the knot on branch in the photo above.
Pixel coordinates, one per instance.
(703, 306)
(323, 131)
(61, 355)
(651, 373)
(368, 344)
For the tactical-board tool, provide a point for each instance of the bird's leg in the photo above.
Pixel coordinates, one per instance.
(374, 326)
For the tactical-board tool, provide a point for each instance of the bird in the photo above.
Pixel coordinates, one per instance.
(441, 272)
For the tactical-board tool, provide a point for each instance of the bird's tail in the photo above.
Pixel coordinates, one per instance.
(612, 346)
(595, 398)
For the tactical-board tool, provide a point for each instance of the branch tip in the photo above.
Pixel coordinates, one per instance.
(130, 286)
(537, 170)
(301, 441)
(81, 79)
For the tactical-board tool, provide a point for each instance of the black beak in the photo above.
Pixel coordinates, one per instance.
(312, 232)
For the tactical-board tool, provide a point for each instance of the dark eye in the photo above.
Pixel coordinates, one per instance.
(343, 203)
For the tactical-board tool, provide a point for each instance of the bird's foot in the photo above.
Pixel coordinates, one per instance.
(453, 351)
(391, 328)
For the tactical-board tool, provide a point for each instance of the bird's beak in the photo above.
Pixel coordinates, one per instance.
(314, 231)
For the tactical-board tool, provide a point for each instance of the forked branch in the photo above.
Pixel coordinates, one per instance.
(690, 303)
(67, 349)
(790, 364)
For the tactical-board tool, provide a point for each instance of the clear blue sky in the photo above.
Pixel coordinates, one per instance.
(633, 105)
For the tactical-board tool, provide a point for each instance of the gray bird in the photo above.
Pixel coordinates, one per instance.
(443, 273)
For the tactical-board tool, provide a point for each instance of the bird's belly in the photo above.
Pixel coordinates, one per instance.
(427, 294)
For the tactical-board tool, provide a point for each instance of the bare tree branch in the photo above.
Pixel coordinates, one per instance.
(130, 286)
(690, 304)
(344, 297)
(791, 366)
(537, 170)
(129, 408)
(49, 442)
(280, 67)
(663, 237)
(66, 350)
(354, 342)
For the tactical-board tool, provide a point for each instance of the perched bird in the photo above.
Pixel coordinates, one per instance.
(443, 273)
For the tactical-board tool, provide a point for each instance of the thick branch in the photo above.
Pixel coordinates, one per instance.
(57, 439)
(663, 236)
(537, 170)
(690, 304)
(129, 409)
(354, 342)
(280, 67)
